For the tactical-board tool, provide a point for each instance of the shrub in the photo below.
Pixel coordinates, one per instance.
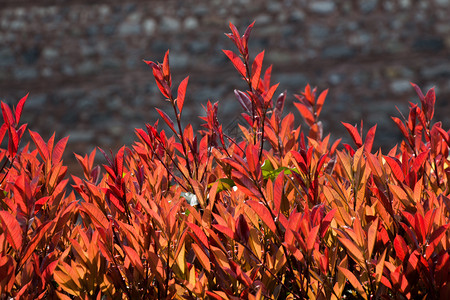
(186, 215)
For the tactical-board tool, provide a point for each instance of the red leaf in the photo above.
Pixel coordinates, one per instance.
(418, 91)
(401, 249)
(326, 222)
(419, 227)
(58, 150)
(369, 139)
(12, 229)
(7, 114)
(198, 232)
(19, 108)
(278, 188)
(430, 100)
(166, 119)
(401, 126)
(263, 213)
(396, 168)
(40, 145)
(144, 136)
(182, 94)
(320, 101)
(305, 112)
(311, 239)
(247, 35)
(236, 37)
(242, 229)
(435, 238)
(244, 100)
(13, 143)
(420, 159)
(225, 230)
(256, 70)
(268, 96)
(237, 62)
(353, 133)
(166, 68)
(119, 161)
(31, 246)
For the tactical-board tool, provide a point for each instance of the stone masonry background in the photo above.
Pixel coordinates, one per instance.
(81, 61)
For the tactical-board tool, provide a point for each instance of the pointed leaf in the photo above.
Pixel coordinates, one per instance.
(311, 240)
(401, 249)
(256, 70)
(305, 112)
(58, 150)
(353, 133)
(352, 250)
(19, 108)
(40, 145)
(353, 281)
(369, 139)
(202, 257)
(166, 119)
(320, 101)
(396, 168)
(182, 94)
(7, 114)
(237, 62)
(372, 236)
(12, 229)
(198, 232)
(263, 213)
(134, 258)
(244, 100)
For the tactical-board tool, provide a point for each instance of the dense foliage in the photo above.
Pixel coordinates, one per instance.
(273, 214)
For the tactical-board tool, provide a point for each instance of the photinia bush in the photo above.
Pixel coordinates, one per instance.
(279, 213)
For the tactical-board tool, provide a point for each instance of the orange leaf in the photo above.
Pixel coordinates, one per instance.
(96, 215)
(202, 257)
(305, 112)
(380, 267)
(353, 281)
(352, 250)
(134, 258)
(372, 236)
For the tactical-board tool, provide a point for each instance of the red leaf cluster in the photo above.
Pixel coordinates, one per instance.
(195, 215)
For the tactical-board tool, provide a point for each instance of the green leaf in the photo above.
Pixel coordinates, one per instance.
(269, 172)
(225, 184)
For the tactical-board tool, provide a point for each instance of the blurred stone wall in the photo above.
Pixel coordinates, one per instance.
(81, 60)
